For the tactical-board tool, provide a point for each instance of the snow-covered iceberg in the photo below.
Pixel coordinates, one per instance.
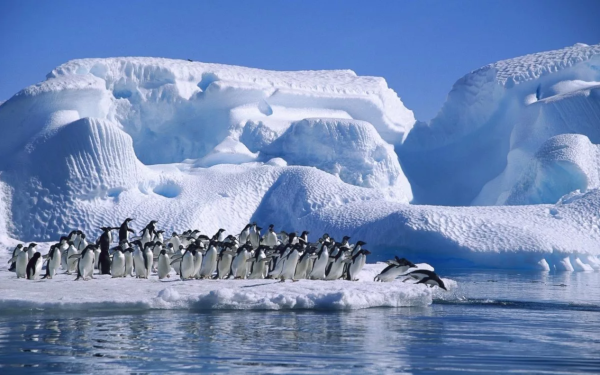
(494, 121)
(207, 146)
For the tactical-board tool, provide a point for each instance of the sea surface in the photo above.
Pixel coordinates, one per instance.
(495, 322)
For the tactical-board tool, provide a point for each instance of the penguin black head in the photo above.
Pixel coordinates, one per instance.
(128, 220)
(163, 252)
(258, 229)
(160, 231)
(305, 233)
(36, 255)
(360, 243)
(154, 222)
(174, 234)
(181, 247)
(71, 243)
(346, 238)
(33, 244)
(19, 246)
(170, 245)
(366, 252)
(221, 230)
(83, 236)
(271, 226)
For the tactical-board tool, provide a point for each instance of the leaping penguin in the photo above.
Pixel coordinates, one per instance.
(396, 267)
(428, 278)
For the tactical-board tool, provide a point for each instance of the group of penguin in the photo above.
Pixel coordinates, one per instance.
(193, 255)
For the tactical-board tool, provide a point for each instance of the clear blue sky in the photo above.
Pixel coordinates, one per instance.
(420, 47)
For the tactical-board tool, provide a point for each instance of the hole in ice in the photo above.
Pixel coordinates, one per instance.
(114, 192)
(168, 190)
(207, 79)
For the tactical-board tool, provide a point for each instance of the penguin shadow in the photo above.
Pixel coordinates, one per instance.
(257, 285)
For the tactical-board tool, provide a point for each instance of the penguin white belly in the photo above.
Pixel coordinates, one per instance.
(128, 264)
(289, 266)
(187, 266)
(63, 263)
(270, 239)
(197, 264)
(258, 270)
(117, 266)
(239, 266)
(71, 262)
(164, 266)
(148, 261)
(301, 268)
(224, 265)
(21, 265)
(389, 275)
(96, 258)
(356, 267)
(54, 263)
(138, 263)
(318, 271)
(337, 268)
(210, 263)
(85, 266)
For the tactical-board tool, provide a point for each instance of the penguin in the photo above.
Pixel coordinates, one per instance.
(103, 262)
(54, 260)
(186, 267)
(158, 237)
(270, 239)
(239, 265)
(318, 271)
(124, 230)
(148, 257)
(259, 263)
(31, 249)
(175, 241)
(395, 268)
(63, 246)
(304, 236)
(358, 262)
(210, 260)
(335, 269)
(243, 237)
(21, 260)
(334, 250)
(34, 266)
(138, 259)
(156, 249)
(71, 262)
(117, 266)
(290, 262)
(428, 278)
(149, 232)
(82, 242)
(225, 259)
(254, 236)
(85, 264)
(13, 264)
(282, 237)
(176, 259)
(128, 253)
(219, 236)
(355, 249)
(283, 252)
(302, 269)
(164, 265)
(199, 246)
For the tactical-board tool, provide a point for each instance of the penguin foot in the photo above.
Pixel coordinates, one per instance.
(168, 276)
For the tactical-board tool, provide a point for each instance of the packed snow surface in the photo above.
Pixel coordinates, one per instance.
(106, 293)
(205, 146)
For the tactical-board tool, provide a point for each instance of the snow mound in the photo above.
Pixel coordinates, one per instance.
(349, 149)
(230, 151)
(176, 110)
(495, 119)
(563, 164)
(104, 293)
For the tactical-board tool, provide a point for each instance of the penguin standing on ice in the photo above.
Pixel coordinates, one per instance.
(358, 262)
(290, 262)
(226, 257)
(186, 267)
(124, 230)
(239, 265)
(164, 265)
(54, 260)
(270, 239)
(318, 270)
(104, 262)
(117, 266)
(21, 260)
(34, 266)
(245, 233)
(13, 264)
(335, 269)
(71, 261)
(85, 264)
(209, 265)
(259, 263)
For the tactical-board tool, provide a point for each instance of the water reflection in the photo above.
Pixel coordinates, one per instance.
(506, 321)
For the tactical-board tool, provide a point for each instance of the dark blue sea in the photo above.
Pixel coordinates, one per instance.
(495, 322)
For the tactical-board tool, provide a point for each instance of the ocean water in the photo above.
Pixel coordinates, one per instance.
(495, 322)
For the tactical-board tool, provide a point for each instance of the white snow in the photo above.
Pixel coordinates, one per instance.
(494, 121)
(205, 146)
(105, 293)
